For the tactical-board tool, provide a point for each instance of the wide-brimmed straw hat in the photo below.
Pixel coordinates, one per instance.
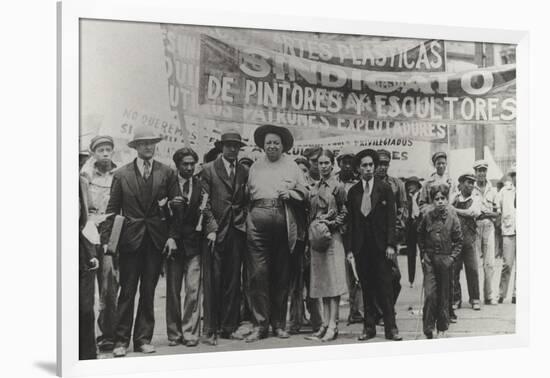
(286, 137)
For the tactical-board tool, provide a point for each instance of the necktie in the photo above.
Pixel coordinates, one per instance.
(185, 189)
(415, 207)
(365, 201)
(232, 172)
(146, 169)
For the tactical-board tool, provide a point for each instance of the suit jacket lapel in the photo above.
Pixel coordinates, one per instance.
(222, 173)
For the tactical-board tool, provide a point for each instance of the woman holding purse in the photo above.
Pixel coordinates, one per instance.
(328, 269)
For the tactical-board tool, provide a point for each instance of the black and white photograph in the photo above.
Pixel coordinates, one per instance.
(248, 189)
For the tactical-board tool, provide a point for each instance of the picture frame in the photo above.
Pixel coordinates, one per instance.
(71, 13)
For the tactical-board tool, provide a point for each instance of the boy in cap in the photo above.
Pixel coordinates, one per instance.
(137, 189)
(99, 177)
(485, 241)
(468, 207)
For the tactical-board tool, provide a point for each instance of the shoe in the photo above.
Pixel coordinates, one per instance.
(394, 336)
(453, 318)
(441, 334)
(294, 331)
(210, 339)
(366, 335)
(380, 322)
(256, 335)
(173, 343)
(429, 335)
(191, 342)
(119, 351)
(513, 300)
(105, 345)
(476, 306)
(145, 348)
(331, 334)
(490, 302)
(500, 300)
(354, 319)
(281, 333)
(320, 332)
(231, 336)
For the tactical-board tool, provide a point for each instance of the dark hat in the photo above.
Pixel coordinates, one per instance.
(144, 133)
(348, 151)
(302, 160)
(283, 132)
(384, 155)
(101, 139)
(366, 152)
(413, 180)
(438, 155)
(230, 136)
(467, 176)
(313, 151)
(481, 164)
(246, 160)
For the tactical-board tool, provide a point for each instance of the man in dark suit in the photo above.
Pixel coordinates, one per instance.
(87, 265)
(136, 191)
(371, 206)
(183, 248)
(224, 179)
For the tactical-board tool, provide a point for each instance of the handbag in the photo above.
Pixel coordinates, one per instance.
(319, 236)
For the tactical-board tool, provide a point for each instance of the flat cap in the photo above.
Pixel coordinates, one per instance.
(438, 155)
(101, 139)
(481, 164)
(467, 176)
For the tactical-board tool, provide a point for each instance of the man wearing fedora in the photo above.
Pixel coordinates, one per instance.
(467, 205)
(224, 179)
(99, 176)
(371, 206)
(136, 191)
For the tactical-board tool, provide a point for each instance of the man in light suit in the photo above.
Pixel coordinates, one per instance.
(136, 191)
(371, 206)
(224, 179)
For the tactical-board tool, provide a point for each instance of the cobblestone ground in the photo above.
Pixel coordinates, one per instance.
(491, 320)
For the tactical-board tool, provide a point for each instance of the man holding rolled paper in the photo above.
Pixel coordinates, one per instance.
(183, 251)
(136, 191)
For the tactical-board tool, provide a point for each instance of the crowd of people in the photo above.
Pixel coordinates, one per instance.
(244, 237)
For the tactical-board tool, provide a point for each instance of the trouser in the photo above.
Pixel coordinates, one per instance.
(222, 283)
(411, 250)
(468, 259)
(395, 284)
(86, 327)
(107, 282)
(137, 267)
(267, 263)
(299, 280)
(485, 247)
(508, 262)
(375, 275)
(437, 290)
(183, 327)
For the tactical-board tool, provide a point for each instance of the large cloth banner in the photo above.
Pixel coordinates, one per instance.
(254, 84)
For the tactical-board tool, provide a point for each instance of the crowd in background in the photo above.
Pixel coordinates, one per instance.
(247, 236)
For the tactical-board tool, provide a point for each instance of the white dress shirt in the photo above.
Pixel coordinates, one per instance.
(371, 184)
(140, 166)
(182, 181)
(227, 166)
